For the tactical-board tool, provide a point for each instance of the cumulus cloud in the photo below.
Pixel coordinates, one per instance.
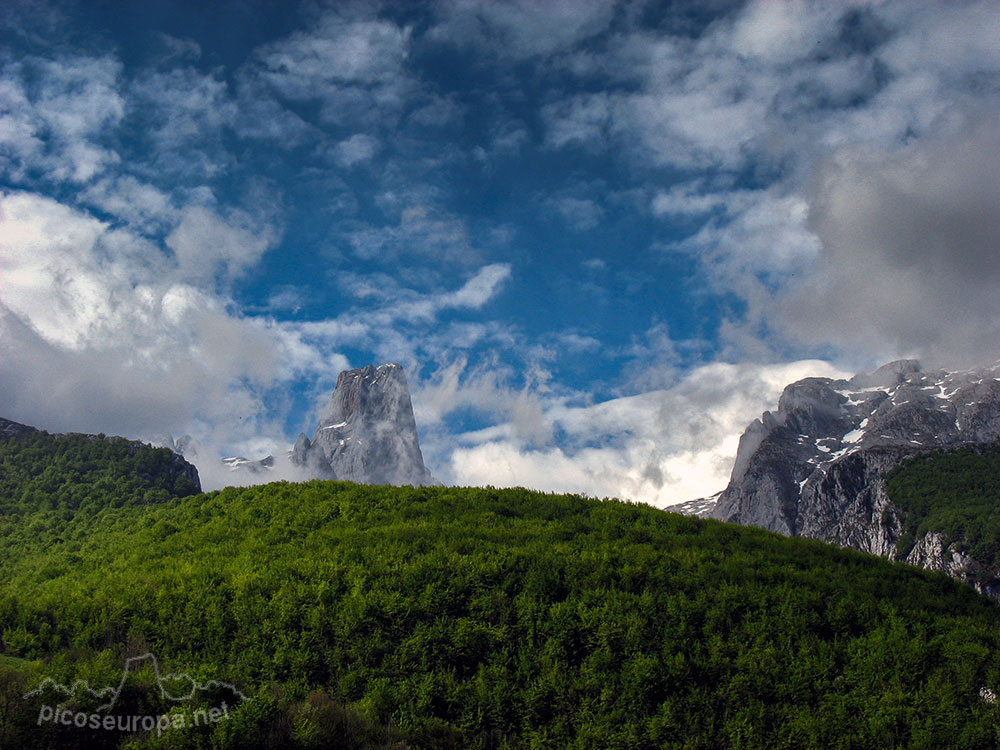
(582, 120)
(760, 86)
(56, 262)
(205, 244)
(772, 84)
(833, 107)
(438, 112)
(184, 114)
(132, 201)
(581, 214)
(751, 230)
(357, 149)
(339, 49)
(101, 332)
(484, 387)
(353, 66)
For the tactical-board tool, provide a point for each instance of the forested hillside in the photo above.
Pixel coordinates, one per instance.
(39, 472)
(955, 493)
(359, 616)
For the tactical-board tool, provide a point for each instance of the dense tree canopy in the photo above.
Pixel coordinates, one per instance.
(359, 616)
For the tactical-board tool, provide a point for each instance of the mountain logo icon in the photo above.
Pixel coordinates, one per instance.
(174, 686)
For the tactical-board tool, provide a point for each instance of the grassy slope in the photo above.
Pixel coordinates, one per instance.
(479, 618)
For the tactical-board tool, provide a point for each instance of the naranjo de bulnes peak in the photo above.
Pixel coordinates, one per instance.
(367, 434)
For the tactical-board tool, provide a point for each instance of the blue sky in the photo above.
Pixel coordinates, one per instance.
(600, 236)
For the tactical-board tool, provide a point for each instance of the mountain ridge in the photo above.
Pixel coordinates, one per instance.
(816, 466)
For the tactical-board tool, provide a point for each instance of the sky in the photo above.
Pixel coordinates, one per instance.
(599, 236)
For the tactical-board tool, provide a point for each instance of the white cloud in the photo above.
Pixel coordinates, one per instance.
(755, 231)
(177, 49)
(478, 290)
(422, 232)
(100, 332)
(395, 323)
(577, 343)
(205, 244)
(486, 389)
(582, 120)
(141, 205)
(184, 114)
(954, 41)
(405, 305)
(438, 112)
(779, 32)
(788, 91)
(56, 263)
(779, 82)
(661, 447)
(338, 49)
(582, 214)
(60, 122)
(20, 140)
(357, 149)
(354, 66)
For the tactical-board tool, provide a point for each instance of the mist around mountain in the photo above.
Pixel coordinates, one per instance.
(367, 434)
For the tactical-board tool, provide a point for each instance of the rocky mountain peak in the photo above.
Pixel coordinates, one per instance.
(9, 429)
(815, 466)
(367, 433)
(368, 393)
(887, 376)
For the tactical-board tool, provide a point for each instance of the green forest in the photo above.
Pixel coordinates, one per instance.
(954, 492)
(353, 616)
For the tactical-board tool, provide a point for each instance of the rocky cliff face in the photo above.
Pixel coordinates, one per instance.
(816, 466)
(9, 429)
(367, 433)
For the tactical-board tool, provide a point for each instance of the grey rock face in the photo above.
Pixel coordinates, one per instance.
(314, 462)
(9, 429)
(816, 466)
(848, 505)
(367, 433)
